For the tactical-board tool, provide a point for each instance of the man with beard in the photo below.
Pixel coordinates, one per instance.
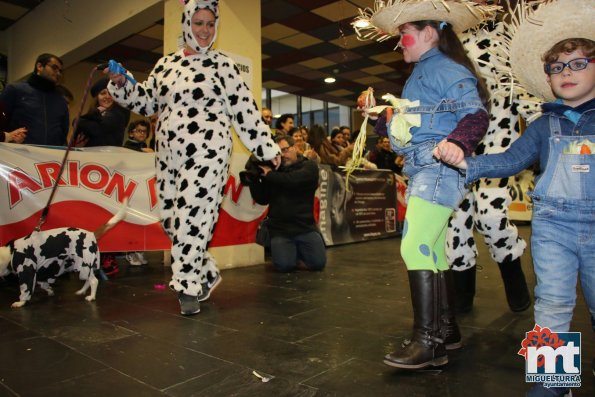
(36, 106)
(289, 192)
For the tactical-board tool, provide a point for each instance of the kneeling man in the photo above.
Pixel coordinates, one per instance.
(289, 192)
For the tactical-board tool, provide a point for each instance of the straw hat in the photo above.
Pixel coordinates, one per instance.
(383, 21)
(536, 29)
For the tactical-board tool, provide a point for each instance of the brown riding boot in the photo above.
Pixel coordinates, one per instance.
(426, 347)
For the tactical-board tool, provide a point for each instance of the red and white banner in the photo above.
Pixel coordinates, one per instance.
(92, 186)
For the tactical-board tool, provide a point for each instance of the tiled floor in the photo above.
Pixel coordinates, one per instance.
(315, 334)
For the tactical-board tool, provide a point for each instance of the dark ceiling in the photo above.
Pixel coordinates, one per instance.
(303, 41)
(13, 10)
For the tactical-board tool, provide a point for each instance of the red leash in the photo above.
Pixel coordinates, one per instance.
(46, 209)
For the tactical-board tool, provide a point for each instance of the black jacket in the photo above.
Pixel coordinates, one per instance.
(134, 145)
(289, 192)
(386, 160)
(36, 105)
(105, 129)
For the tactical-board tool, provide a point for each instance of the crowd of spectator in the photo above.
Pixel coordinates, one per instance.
(106, 123)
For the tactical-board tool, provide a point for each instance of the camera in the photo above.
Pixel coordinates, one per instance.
(252, 170)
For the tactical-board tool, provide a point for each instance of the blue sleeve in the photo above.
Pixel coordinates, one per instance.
(463, 88)
(519, 156)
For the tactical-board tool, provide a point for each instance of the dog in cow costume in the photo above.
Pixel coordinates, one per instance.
(42, 256)
(485, 206)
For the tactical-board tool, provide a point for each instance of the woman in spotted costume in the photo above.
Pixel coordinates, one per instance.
(198, 94)
(485, 207)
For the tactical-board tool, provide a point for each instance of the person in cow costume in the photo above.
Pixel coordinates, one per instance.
(198, 94)
(485, 206)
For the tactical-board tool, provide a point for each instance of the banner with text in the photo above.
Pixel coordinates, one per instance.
(368, 210)
(92, 186)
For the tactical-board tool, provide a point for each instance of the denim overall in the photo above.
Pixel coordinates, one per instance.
(429, 178)
(563, 231)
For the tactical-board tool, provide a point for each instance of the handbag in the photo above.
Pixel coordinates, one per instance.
(263, 236)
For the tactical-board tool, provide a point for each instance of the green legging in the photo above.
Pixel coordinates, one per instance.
(424, 234)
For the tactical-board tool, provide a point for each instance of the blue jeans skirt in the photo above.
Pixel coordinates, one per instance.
(430, 179)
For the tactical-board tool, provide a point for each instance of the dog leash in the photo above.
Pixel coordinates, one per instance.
(46, 209)
(113, 67)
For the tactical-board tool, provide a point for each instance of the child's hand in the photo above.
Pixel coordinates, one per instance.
(366, 101)
(462, 165)
(363, 100)
(450, 153)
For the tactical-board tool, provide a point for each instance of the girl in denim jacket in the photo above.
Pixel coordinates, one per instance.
(450, 100)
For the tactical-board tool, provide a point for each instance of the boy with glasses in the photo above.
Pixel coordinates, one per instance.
(138, 131)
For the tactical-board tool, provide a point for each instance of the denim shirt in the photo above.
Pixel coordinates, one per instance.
(533, 144)
(447, 92)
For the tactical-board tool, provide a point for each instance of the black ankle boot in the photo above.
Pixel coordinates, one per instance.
(464, 285)
(426, 347)
(517, 293)
(451, 335)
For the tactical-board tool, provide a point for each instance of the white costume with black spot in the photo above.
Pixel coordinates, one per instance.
(41, 257)
(197, 97)
(486, 204)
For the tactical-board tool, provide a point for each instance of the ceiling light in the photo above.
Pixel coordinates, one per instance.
(361, 23)
(330, 80)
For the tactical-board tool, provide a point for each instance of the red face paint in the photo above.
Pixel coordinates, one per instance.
(407, 40)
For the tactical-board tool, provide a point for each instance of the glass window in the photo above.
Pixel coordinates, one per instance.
(333, 116)
(281, 103)
(339, 115)
(312, 112)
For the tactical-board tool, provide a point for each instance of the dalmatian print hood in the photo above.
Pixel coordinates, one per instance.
(190, 8)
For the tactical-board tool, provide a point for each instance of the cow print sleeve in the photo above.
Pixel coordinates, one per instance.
(246, 117)
(142, 97)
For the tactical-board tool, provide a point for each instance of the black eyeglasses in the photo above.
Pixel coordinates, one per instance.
(285, 149)
(55, 67)
(575, 64)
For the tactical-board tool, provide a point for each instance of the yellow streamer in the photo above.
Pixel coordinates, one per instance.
(400, 127)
